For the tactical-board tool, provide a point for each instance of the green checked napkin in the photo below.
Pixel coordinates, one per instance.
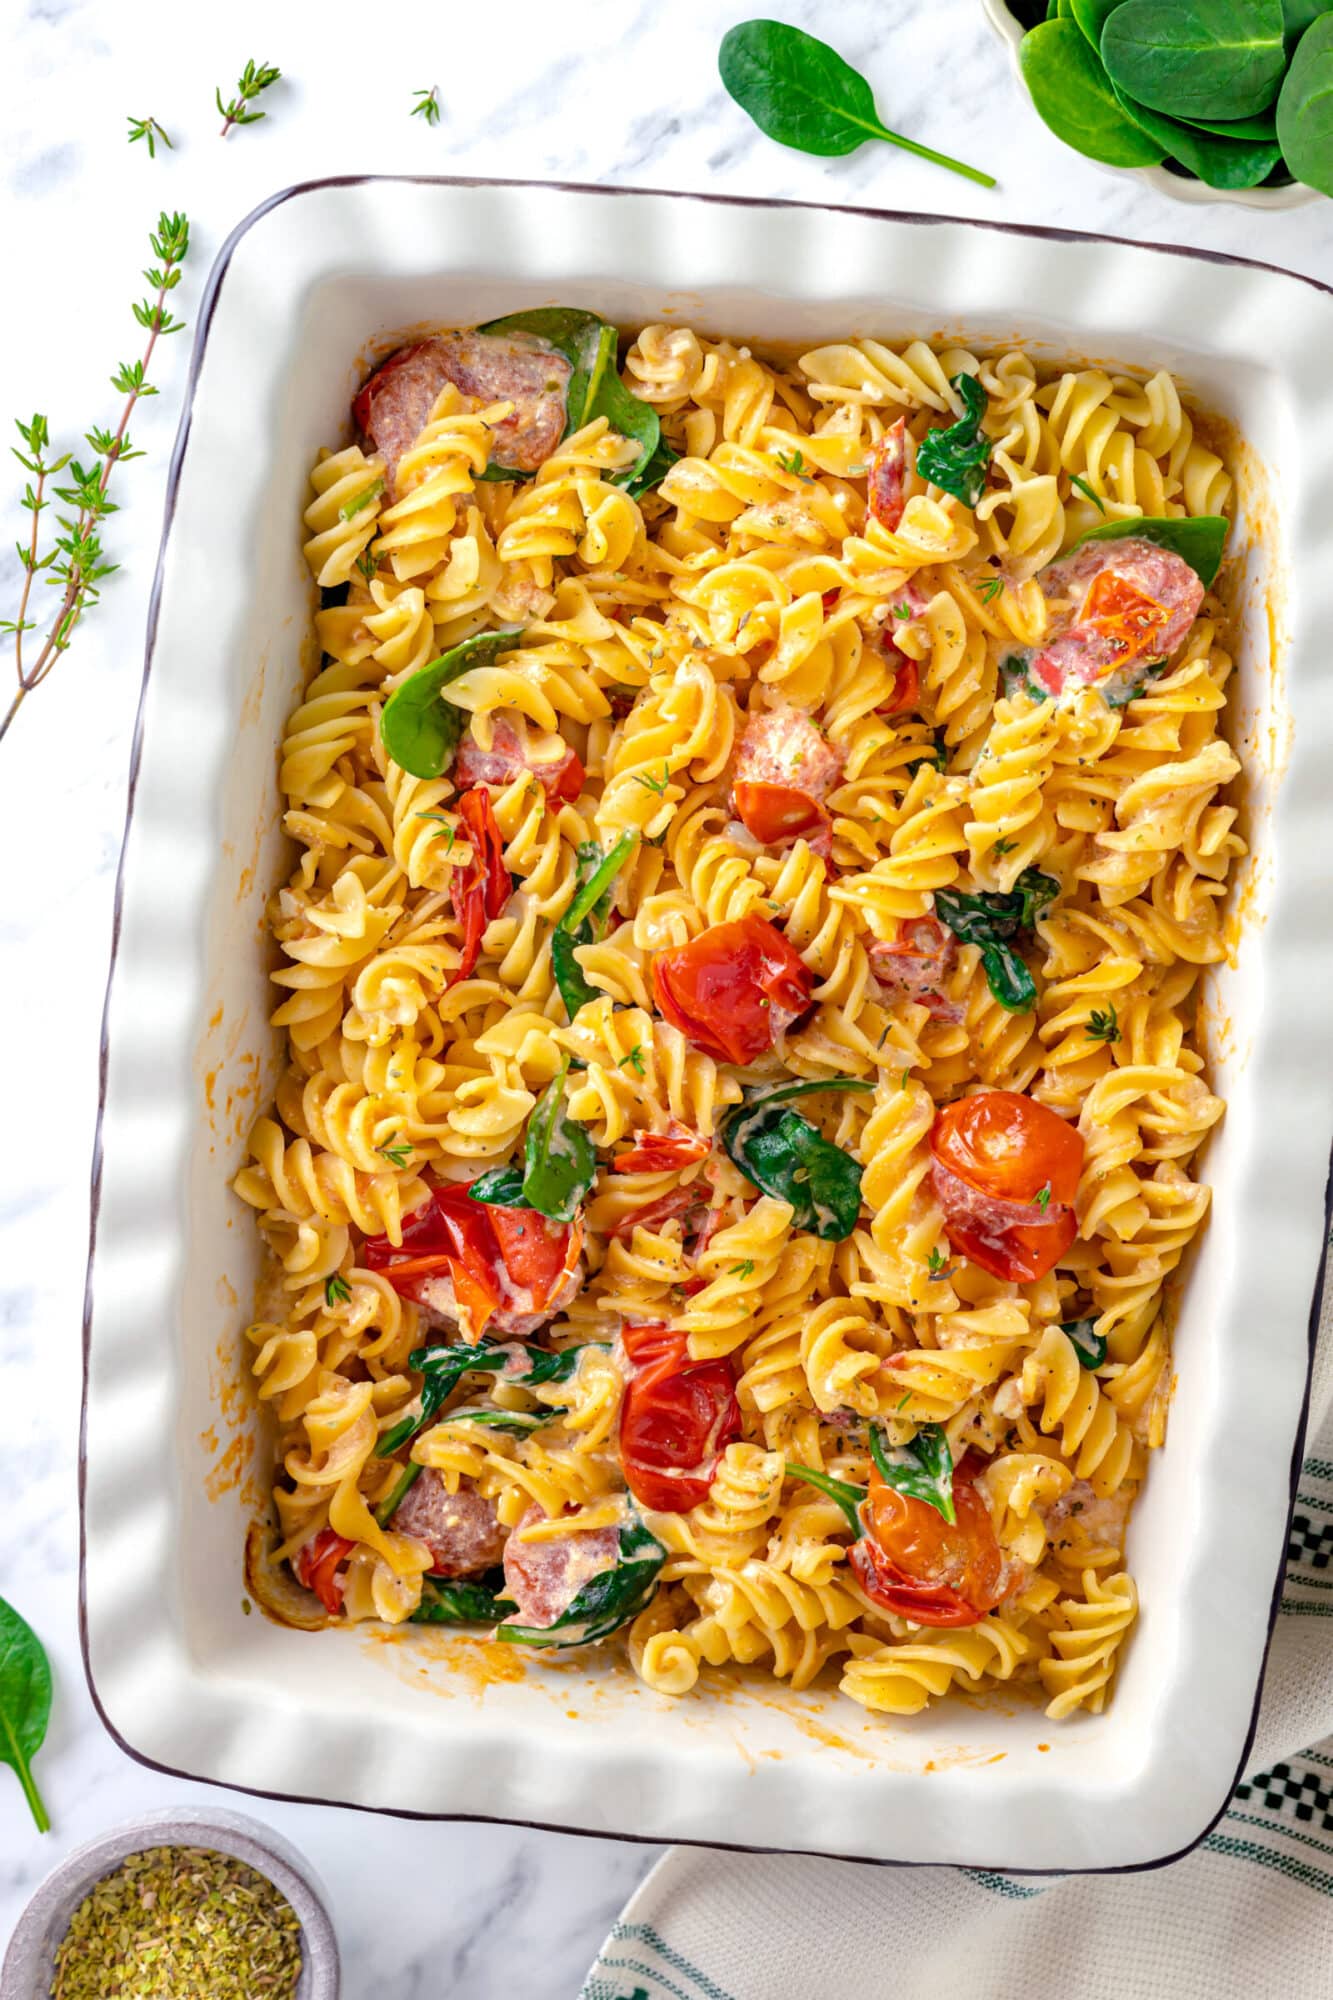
(1249, 1913)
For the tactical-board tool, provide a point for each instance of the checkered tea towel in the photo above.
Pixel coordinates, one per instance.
(1248, 1914)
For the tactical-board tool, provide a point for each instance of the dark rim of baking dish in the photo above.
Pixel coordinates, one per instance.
(207, 307)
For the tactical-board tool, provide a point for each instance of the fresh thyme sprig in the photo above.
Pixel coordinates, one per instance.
(428, 105)
(75, 564)
(149, 129)
(253, 78)
(1103, 1025)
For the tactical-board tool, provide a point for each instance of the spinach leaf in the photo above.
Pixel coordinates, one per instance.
(560, 1162)
(595, 389)
(783, 1154)
(420, 726)
(851, 1499)
(1089, 1345)
(502, 1187)
(1297, 16)
(397, 1493)
(463, 1600)
(1197, 58)
(444, 1368)
(1197, 539)
(922, 1469)
(1091, 16)
(1305, 108)
(1218, 162)
(585, 919)
(1072, 94)
(800, 92)
(991, 920)
(606, 1602)
(955, 459)
(518, 1423)
(25, 1704)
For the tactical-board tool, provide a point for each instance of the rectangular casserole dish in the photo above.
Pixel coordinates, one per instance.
(175, 1456)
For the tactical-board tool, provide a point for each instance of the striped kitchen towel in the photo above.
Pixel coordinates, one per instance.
(1248, 1914)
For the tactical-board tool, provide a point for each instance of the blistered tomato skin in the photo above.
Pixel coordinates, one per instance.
(733, 988)
(935, 1572)
(1006, 1170)
(674, 1426)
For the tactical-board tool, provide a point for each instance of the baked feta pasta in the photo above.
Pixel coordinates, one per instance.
(761, 828)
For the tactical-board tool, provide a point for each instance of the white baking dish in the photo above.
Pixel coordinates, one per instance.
(175, 1459)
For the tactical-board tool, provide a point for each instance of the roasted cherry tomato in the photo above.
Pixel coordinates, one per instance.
(906, 691)
(659, 1152)
(561, 778)
(886, 476)
(674, 1426)
(491, 1254)
(1006, 1171)
(481, 890)
(655, 1348)
(912, 1561)
(732, 988)
(1117, 609)
(776, 812)
(316, 1568)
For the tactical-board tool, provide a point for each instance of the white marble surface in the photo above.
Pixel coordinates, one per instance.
(621, 91)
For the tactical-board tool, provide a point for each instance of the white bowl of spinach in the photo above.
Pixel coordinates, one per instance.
(1209, 100)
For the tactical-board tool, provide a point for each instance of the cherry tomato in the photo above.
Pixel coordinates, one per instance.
(674, 1426)
(659, 1152)
(732, 988)
(886, 474)
(776, 812)
(914, 1562)
(1006, 1170)
(1121, 612)
(486, 1251)
(316, 1566)
(655, 1348)
(362, 407)
(481, 890)
(562, 780)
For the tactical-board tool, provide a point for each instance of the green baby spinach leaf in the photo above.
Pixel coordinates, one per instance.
(1197, 539)
(851, 1499)
(922, 1469)
(560, 1161)
(785, 1156)
(517, 1423)
(25, 1704)
(955, 459)
(1217, 161)
(1197, 58)
(585, 919)
(800, 92)
(1092, 16)
(463, 1600)
(1297, 16)
(595, 389)
(1072, 94)
(501, 1187)
(992, 920)
(397, 1493)
(443, 1368)
(420, 726)
(1305, 108)
(607, 1601)
(1087, 1343)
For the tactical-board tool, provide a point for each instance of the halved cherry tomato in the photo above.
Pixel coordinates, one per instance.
(1121, 612)
(912, 1561)
(1006, 1170)
(562, 779)
(486, 1251)
(481, 890)
(659, 1152)
(674, 1427)
(776, 812)
(732, 988)
(316, 1566)
(655, 1348)
(886, 474)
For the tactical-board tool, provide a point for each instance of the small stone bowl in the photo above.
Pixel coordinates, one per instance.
(29, 1965)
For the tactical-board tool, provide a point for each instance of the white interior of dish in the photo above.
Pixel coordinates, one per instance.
(413, 1720)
